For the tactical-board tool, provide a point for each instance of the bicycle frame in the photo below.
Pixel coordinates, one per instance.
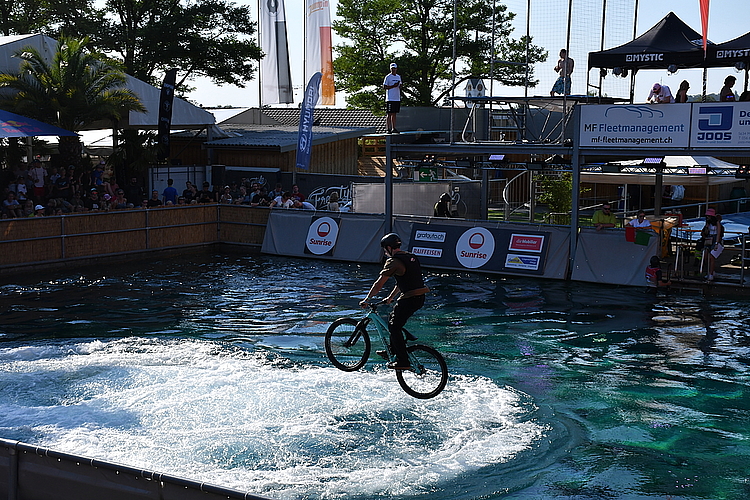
(381, 326)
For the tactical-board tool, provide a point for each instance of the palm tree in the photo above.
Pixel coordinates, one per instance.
(77, 88)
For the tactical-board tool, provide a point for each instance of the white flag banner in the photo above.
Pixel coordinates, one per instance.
(275, 72)
(319, 49)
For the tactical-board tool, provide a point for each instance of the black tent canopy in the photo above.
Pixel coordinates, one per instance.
(730, 53)
(669, 42)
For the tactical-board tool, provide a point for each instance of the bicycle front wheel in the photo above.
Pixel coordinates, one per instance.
(428, 374)
(346, 346)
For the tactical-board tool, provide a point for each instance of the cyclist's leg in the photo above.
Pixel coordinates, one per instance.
(402, 311)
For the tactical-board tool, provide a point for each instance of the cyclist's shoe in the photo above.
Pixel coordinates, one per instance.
(382, 354)
(409, 336)
(398, 366)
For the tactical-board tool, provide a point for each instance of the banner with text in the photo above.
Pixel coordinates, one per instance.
(635, 126)
(720, 124)
(506, 250)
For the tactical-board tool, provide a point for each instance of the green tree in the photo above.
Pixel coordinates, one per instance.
(418, 34)
(76, 89)
(209, 38)
(49, 17)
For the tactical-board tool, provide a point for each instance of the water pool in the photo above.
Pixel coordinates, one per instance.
(211, 367)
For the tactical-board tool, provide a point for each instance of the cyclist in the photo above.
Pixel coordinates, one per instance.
(405, 268)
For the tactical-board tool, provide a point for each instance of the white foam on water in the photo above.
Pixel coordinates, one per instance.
(257, 422)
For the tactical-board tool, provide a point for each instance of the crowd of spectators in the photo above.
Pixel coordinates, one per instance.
(36, 190)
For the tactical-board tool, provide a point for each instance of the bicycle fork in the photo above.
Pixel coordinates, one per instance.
(361, 326)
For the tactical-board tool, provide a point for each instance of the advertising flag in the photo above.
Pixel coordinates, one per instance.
(166, 99)
(704, 21)
(275, 72)
(319, 49)
(304, 139)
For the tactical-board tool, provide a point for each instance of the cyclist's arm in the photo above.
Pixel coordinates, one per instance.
(391, 296)
(374, 289)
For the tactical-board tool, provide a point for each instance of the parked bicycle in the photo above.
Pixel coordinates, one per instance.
(348, 346)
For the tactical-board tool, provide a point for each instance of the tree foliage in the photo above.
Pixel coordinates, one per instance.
(77, 88)
(418, 35)
(208, 38)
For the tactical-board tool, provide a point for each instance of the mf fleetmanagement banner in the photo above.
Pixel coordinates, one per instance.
(635, 126)
(479, 248)
(695, 125)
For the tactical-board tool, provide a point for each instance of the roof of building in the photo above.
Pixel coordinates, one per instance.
(279, 138)
(324, 117)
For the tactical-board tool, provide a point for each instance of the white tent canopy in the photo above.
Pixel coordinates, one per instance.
(184, 114)
(667, 179)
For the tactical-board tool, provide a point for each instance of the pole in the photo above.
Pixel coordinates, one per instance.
(576, 188)
(453, 70)
(388, 185)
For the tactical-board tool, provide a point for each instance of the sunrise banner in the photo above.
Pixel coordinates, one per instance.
(275, 72)
(319, 49)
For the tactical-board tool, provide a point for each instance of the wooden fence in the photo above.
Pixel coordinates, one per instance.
(44, 240)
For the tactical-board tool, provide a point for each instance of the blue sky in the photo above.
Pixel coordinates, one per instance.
(726, 21)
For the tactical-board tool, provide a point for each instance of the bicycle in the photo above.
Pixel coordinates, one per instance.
(347, 345)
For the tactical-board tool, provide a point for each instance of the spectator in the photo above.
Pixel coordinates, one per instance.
(38, 175)
(21, 189)
(62, 187)
(120, 202)
(333, 202)
(283, 201)
(226, 196)
(278, 191)
(296, 195)
(304, 205)
(260, 199)
(154, 201)
(92, 201)
(170, 193)
(604, 218)
(640, 221)
(745, 96)
(11, 208)
(39, 211)
(97, 174)
(134, 193)
(243, 198)
(182, 201)
(727, 94)
(54, 175)
(712, 236)
(654, 274)
(189, 193)
(205, 195)
(28, 208)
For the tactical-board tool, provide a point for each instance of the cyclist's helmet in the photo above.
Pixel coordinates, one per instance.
(391, 240)
(445, 197)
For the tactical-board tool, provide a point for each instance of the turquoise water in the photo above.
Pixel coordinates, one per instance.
(211, 367)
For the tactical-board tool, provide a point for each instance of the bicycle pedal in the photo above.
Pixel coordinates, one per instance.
(382, 354)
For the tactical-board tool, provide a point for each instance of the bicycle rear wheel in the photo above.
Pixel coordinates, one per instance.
(347, 347)
(428, 375)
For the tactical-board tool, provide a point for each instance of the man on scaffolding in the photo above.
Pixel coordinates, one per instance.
(564, 68)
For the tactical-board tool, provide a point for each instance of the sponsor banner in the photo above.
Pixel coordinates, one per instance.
(319, 48)
(720, 124)
(520, 261)
(304, 136)
(432, 236)
(166, 99)
(526, 242)
(493, 249)
(427, 252)
(276, 74)
(635, 126)
(475, 247)
(322, 236)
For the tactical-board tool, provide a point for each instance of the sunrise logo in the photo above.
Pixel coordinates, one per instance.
(475, 247)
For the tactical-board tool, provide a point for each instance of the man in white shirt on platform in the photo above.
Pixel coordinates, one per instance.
(392, 86)
(660, 94)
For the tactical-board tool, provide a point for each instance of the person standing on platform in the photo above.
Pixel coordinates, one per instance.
(660, 94)
(727, 94)
(443, 206)
(682, 92)
(564, 68)
(392, 86)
